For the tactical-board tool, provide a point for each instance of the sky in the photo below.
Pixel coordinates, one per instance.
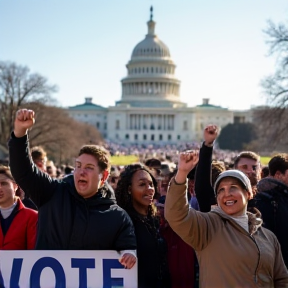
(82, 46)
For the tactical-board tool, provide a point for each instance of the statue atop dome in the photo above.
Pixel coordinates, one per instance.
(151, 13)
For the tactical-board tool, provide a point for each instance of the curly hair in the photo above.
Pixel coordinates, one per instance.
(123, 197)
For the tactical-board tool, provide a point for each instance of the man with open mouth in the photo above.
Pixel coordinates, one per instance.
(78, 212)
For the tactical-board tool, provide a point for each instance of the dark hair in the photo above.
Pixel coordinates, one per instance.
(265, 172)
(99, 153)
(68, 170)
(279, 162)
(216, 168)
(153, 162)
(246, 154)
(38, 153)
(122, 196)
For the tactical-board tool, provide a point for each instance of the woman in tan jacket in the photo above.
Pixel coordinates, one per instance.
(232, 248)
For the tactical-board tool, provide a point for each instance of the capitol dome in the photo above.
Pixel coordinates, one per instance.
(151, 46)
(150, 80)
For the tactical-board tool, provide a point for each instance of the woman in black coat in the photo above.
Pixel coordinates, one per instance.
(135, 193)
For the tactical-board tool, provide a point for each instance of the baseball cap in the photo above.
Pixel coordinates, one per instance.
(234, 174)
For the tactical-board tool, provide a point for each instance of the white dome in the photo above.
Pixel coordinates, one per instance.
(151, 46)
(150, 80)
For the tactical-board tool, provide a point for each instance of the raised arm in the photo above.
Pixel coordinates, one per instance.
(36, 184)
(203, 188)
(191, 225)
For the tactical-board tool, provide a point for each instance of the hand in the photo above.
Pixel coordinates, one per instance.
(24, 120)
(128, 260)
(187, 161)
(211, 132)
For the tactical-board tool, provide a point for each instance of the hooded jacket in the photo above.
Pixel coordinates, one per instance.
(229, 256)
(67, 221)
(272, 201)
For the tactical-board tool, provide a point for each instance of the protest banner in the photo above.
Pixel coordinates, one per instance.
(65, 269)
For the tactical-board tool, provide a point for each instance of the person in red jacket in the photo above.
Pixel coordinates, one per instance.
(18, 223)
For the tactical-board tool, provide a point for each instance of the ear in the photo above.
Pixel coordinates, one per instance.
(249, 195)
(277, 175)
(15, 186)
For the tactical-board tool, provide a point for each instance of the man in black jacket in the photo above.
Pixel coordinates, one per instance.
(272, 200)
(78, 212)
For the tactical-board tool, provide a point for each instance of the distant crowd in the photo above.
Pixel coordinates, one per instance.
(188, 215)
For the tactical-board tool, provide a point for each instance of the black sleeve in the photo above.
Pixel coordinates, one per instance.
(203, 188)
(39, 186)
(126, 239)
(267, 207)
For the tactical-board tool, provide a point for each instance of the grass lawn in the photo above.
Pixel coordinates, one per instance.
(264, 160)
(129, 159)
(124, 160)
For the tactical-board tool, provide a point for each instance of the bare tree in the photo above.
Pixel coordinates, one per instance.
(273, 119)
(59, 134)
(17, 87)
(277, 39)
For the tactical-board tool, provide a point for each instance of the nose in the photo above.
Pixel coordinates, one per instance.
(150, 187)
(227, 192)
(81, 170)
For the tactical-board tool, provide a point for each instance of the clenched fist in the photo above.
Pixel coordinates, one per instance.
(211, 132)
(24, 120)
(187, 161)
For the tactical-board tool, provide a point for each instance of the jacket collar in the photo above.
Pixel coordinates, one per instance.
(271, 186)
(254, 222)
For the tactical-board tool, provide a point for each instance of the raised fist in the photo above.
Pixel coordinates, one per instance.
(211, 132)
(24, 120)
(188, 160)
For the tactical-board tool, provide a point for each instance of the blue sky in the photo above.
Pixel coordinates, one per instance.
(83, 45)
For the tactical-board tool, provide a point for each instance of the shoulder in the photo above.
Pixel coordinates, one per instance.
(117, 210)
(25, 210)
(120, 213)
(27, 214)
(30, 212)
(268, 234)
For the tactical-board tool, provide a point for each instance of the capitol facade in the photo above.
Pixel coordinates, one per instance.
(150, 109)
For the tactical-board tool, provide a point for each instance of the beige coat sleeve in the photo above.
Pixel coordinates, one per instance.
(194, 227)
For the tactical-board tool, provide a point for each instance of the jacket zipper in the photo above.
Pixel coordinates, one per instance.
(255, 275)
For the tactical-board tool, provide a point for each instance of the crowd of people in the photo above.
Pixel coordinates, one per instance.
(189, 215)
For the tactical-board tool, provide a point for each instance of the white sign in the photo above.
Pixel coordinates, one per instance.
(75, 269)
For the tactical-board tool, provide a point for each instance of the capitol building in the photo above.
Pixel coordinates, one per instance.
(150, 109)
